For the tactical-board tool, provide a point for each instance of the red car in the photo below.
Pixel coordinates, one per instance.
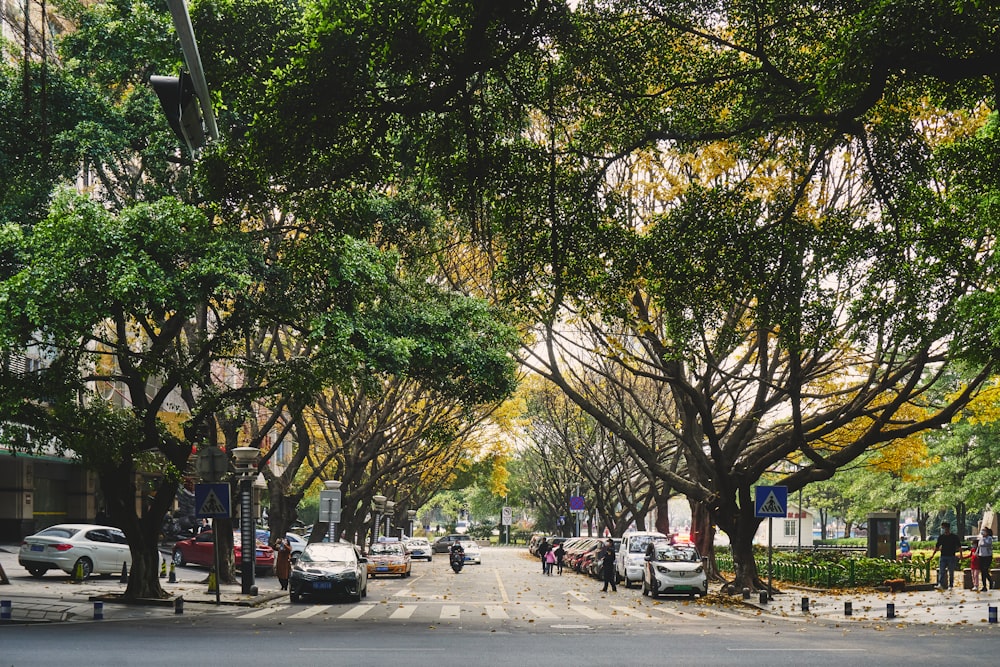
(200, 550)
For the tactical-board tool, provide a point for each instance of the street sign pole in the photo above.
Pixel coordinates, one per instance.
(770, 502)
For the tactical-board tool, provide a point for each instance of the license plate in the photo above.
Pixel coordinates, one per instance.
(37, 547)
(259, 553)
(381, 569)
(683, 588)
(322, 585)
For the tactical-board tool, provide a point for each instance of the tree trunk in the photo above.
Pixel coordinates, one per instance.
(663, 514)
(118, 487)
(703, 536)
(282, 513)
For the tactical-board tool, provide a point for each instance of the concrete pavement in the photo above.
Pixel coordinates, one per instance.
(55, 597)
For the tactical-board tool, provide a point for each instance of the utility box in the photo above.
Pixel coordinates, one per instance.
(883, 530)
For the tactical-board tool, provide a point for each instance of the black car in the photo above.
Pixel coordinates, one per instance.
(329, 569)
(442, 545)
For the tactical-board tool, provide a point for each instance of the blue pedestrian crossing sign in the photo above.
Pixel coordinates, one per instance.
(770, 501)
(211, 501)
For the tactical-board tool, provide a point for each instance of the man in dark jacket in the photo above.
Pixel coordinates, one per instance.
(543, 549)
(607, 558)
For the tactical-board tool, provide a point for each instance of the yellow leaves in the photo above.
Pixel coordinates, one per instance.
(984, 408)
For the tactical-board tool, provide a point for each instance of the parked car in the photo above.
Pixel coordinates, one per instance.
(442, 545)
(630, 557)
(387, 557)
(418, 547)
(673, 568)
(472, 552)
(200, 550)
(297, 542)
(97, 549)
(329, 569)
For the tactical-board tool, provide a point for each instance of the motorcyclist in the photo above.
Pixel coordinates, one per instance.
(457, 553)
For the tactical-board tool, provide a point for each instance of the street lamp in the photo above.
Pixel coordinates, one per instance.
(411, 515)
(389, 508)
(333, 508)
(378, 505)
(246, 469)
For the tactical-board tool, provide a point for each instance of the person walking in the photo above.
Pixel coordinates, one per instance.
(984, 557)
(282, 561)
(951, 550)
(550, 561)
(607, 558)
(974, 563)
(560, 554)
(543, 548)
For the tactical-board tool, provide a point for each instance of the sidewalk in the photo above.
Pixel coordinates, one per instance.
(929, 607)
(57, 598)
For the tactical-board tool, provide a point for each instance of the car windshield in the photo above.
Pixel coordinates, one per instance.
(327, 553)
(469, 545)
(638, 544)
(670, 552)
(391, 549)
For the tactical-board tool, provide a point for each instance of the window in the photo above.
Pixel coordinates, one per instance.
(790, 530)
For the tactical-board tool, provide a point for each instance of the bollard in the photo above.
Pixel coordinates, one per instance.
(179, 604)
(890, 610)
(213, 583)
(746, 593)
(172, 579)
(5, 610)
(993, 614)
(805, 604)
(763, 597)
(98, 611)
(124, 578)
(847, 609)
(163, 569)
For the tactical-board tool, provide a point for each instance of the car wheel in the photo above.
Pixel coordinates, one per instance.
(37, 572)
(85, 565)
(628, 582)
(357, 596)
(293, 596)
(178, 558)
(645, 586)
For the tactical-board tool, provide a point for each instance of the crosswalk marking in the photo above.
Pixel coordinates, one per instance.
(451, 611)
(403, 612)
(541, 612)
(356, 612)
(496, 612)
(310, 611)
(630, 612)
(260, 612)
(588, 612)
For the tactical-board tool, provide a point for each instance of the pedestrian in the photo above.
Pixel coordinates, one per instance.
(904, 548)
(205, 525)
(607, 558)
(984, 557)
(550, 561)
(560, 554)
(543, 548)
(951, 550)
(974, 563)
(282, 561)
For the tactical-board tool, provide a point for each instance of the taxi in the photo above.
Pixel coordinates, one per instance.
(388, 556)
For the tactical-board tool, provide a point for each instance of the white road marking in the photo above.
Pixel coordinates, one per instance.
(450, 611)
(631, 612)
(260, 612)
(311, 611)
(541, 612)
(356, 612)
(503, 591)
(588, 612)
(496, 612)
(578, 595)
(403, 612)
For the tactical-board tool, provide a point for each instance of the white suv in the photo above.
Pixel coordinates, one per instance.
(631, 557)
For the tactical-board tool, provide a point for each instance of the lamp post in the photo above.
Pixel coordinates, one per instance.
(245, 468)
(333, 509)
(378, 505)
(411, 515)
(389, 508)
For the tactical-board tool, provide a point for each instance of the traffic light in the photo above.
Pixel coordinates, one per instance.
(180, 105)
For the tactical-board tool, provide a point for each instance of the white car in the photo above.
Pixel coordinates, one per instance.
(673, 568)
(631, 555)
(418, 547)
(97, 549)
(472, 553)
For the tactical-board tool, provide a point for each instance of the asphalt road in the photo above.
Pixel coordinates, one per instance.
(503, 612)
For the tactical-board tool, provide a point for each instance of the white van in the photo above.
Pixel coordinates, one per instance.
(631, 556)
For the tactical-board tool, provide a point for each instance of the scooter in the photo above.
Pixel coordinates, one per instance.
(457, 560)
